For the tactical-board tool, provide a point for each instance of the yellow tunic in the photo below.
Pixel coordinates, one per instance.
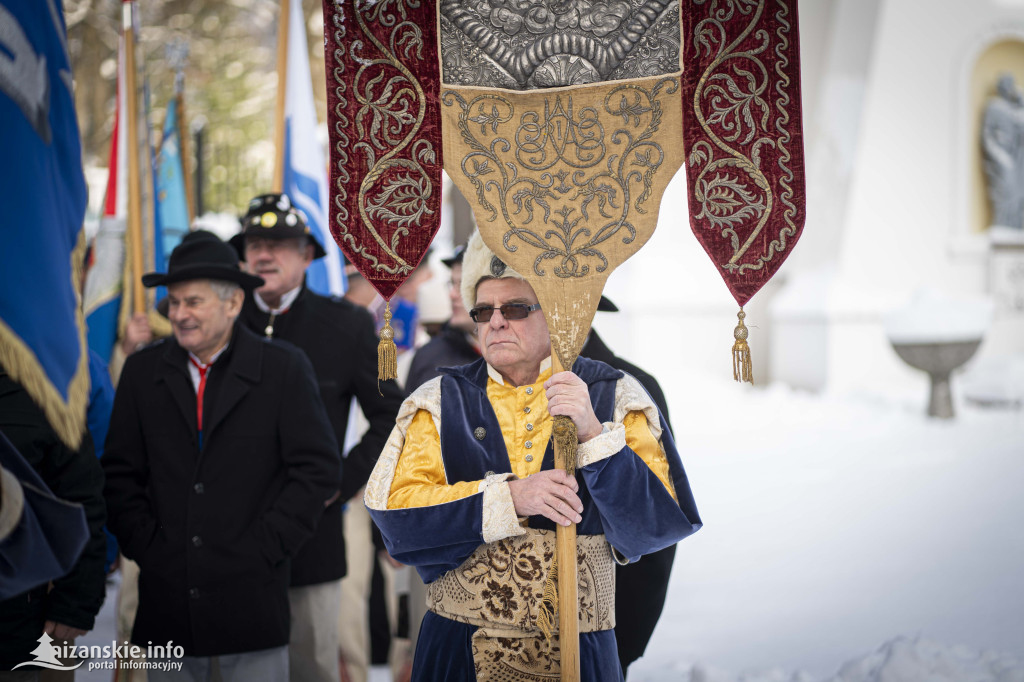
(522, 413)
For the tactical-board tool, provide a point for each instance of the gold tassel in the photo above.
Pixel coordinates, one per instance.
(387, 354)
(566, 440)
(547, 615)
(742, 370)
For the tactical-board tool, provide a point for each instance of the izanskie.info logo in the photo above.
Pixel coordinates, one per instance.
(122, 656)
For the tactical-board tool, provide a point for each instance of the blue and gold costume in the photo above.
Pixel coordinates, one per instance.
(440, 496)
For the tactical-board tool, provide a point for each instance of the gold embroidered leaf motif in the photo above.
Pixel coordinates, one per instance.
(726, 201)
(402, 201)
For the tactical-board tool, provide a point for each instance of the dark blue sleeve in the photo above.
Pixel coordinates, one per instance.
(637, 512)
(434, 539)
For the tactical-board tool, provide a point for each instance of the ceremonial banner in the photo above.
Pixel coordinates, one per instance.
(744, 141)
(43, 192)
(568, 161)
(305, 168)
(385, 130)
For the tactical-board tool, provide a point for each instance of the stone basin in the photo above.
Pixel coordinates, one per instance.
(938, 360)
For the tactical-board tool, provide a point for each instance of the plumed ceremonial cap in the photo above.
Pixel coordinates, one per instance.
(202, 255)
(480, 263)
(273, 216)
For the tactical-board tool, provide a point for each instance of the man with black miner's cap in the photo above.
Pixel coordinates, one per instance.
(219, 461)
(339, 339)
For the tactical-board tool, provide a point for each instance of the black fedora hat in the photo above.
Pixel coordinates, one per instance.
(202, 255)
(274, 217)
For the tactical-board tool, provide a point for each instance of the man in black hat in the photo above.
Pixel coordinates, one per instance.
(339, 339)
(219, 461)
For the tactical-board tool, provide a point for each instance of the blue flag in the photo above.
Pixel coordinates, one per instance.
(43, 194)
(305, 167)
(171, 221)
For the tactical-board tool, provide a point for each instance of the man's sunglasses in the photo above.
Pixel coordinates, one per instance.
(510, 311)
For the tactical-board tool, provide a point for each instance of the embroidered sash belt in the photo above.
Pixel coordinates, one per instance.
(499, 588)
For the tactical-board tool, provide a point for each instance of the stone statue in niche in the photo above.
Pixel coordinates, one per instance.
(1002, 139)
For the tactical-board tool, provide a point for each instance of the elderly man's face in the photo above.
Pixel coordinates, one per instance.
(280, 262)
(513, 347)
(201, 321)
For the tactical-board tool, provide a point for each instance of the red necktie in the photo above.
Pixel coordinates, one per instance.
(203, 369)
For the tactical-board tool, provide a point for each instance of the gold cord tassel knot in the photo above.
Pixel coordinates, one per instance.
(387, 354)
(742, 370)
(567, 439)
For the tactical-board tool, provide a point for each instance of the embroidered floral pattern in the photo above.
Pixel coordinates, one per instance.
(742, 168)
(501, 585)
(569, 178)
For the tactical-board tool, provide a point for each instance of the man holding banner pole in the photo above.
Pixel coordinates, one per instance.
(466, 490)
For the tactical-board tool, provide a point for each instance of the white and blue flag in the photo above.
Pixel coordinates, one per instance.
(305, 166)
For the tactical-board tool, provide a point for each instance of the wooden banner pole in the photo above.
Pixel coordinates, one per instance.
(134, 184)
(568, 581)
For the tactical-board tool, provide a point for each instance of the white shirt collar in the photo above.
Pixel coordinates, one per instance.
(193, 371)
(286, 301)
(545, 365)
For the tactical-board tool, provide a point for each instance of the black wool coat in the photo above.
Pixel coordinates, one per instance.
(339, 339)
(213, 529)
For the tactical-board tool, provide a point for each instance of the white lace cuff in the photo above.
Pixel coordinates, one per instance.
(499, 519)
(611, 439)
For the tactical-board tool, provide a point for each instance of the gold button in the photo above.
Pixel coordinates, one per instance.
(529, 458)
(529, 390)
(529, 427)
(526, 409)
(529, 444)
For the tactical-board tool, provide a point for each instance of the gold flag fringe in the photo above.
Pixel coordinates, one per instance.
(387, 354)
(67, 417)
(742, 369)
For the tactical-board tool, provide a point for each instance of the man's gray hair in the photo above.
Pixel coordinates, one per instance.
(224, 289)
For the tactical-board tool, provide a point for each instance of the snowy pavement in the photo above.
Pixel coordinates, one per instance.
(836, 524)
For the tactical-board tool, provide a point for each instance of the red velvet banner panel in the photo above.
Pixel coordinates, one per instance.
(743, 135)
(385, 134)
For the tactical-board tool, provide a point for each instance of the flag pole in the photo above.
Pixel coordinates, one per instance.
(134, 188)
(282, 82)
(178, 55)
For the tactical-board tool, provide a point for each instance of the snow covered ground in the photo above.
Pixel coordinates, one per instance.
(847, 539)
(844, 529)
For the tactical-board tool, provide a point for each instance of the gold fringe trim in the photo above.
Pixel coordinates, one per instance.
(547, 616)
(742, 369)
(387, 353)
(66, 418)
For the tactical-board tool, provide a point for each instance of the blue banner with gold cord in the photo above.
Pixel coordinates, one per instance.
(43, 195)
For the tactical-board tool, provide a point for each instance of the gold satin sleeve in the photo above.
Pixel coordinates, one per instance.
(419, 475)
(641, 441)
